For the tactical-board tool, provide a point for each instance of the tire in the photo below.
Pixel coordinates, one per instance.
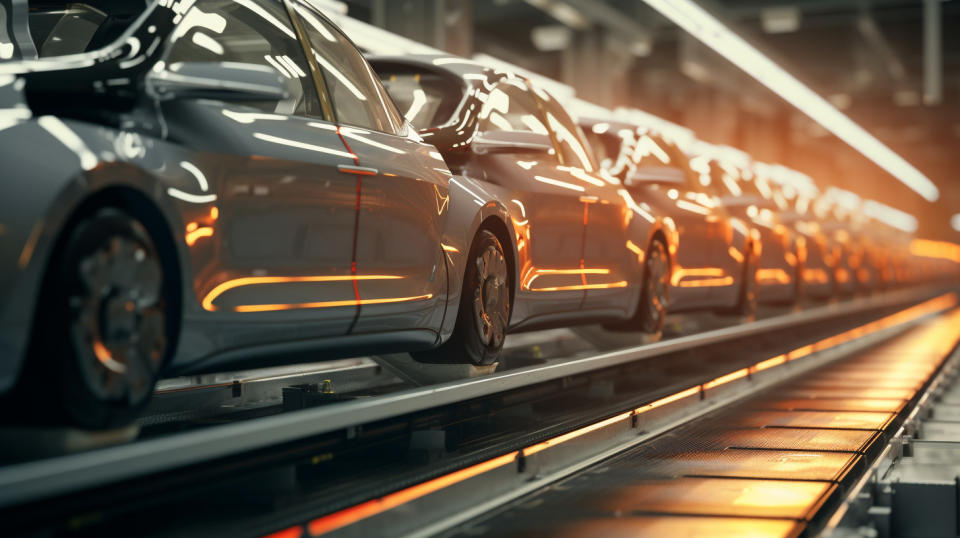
(484, 312)
(654, 297)
(105, 328)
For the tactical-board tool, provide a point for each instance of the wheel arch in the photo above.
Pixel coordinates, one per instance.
(472, 206)
(499, 228)
(666, 231)
(145, 210)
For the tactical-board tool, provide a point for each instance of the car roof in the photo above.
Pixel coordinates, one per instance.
(435, 62)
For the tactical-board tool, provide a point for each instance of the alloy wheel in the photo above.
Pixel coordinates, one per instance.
(117, 319)
(491, 302)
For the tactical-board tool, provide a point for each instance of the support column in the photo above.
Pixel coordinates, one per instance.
(443, 24)
(932, 53)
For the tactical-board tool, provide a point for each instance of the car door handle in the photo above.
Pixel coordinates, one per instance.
(360, 170)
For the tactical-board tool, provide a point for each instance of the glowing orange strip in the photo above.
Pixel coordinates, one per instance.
(773, 275)
(707, 282)
(769, 363)
(618, 284)
(292, 532)
(531, 450)
(224, 287)
(327, 304)
(668, 399)
(726, 378)
(681, 273)
(196, 234)
(802, 351)
(448, 248)
(373, 507)
(935, 249)
(533, 274)
(816, 275)
(735, 254)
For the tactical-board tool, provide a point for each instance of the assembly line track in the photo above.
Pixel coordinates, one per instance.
(31, 481)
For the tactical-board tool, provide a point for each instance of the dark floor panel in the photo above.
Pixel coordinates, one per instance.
(647, 526)
(763, 464)
(811, 419)
(797, 439)
(850, 404)
(825, 382)
(862, 375)
(712, 496)
(847, 392)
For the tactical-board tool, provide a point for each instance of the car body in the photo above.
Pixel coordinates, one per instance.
(580, 239)
(749, 196)
(276, 202)
(819, 267)
(838, 223)
(713, 258)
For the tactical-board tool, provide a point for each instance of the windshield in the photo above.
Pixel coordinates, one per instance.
(426, 99)
(62, 28)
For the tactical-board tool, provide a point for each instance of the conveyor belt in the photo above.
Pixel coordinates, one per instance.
(516, 429)
(765, 467)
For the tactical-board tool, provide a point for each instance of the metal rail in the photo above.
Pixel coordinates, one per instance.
(27, 482)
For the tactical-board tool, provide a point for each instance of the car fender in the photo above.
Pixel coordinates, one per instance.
(37, 200)
(470, 206)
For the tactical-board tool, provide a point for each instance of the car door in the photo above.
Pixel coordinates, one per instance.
(661, 179)
(549, 268)
(402, 189)
(609, 267)
(275, 242)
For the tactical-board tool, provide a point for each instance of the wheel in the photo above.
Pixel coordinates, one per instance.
(654, 299)
(747, 303)
(106, 327)
(484, 308)
(655, 296)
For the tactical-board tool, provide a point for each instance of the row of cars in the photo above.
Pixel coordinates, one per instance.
(196, 186)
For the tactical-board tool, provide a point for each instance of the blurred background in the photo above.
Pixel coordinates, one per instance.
(892, 66)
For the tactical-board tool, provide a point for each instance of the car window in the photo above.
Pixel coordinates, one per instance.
(510, 107)
(573, 145)
(247, 31)
(60, 28)
(649, 150)
(358, 97)
(680, 160)
(426, 99)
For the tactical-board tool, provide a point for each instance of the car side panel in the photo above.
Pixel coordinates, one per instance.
(405, 200)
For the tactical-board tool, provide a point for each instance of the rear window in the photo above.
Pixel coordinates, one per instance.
(425, 98)
(606, 147)
(62, 28)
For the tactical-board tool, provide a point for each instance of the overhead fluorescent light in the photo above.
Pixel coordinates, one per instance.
(890, 216)
(562, 12)
(780, 20)
(551, 38)
(705, 27)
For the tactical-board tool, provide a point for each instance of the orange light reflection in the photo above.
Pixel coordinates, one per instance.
(192, 237)
(224, 287)
(772, 276)
(373, 507)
